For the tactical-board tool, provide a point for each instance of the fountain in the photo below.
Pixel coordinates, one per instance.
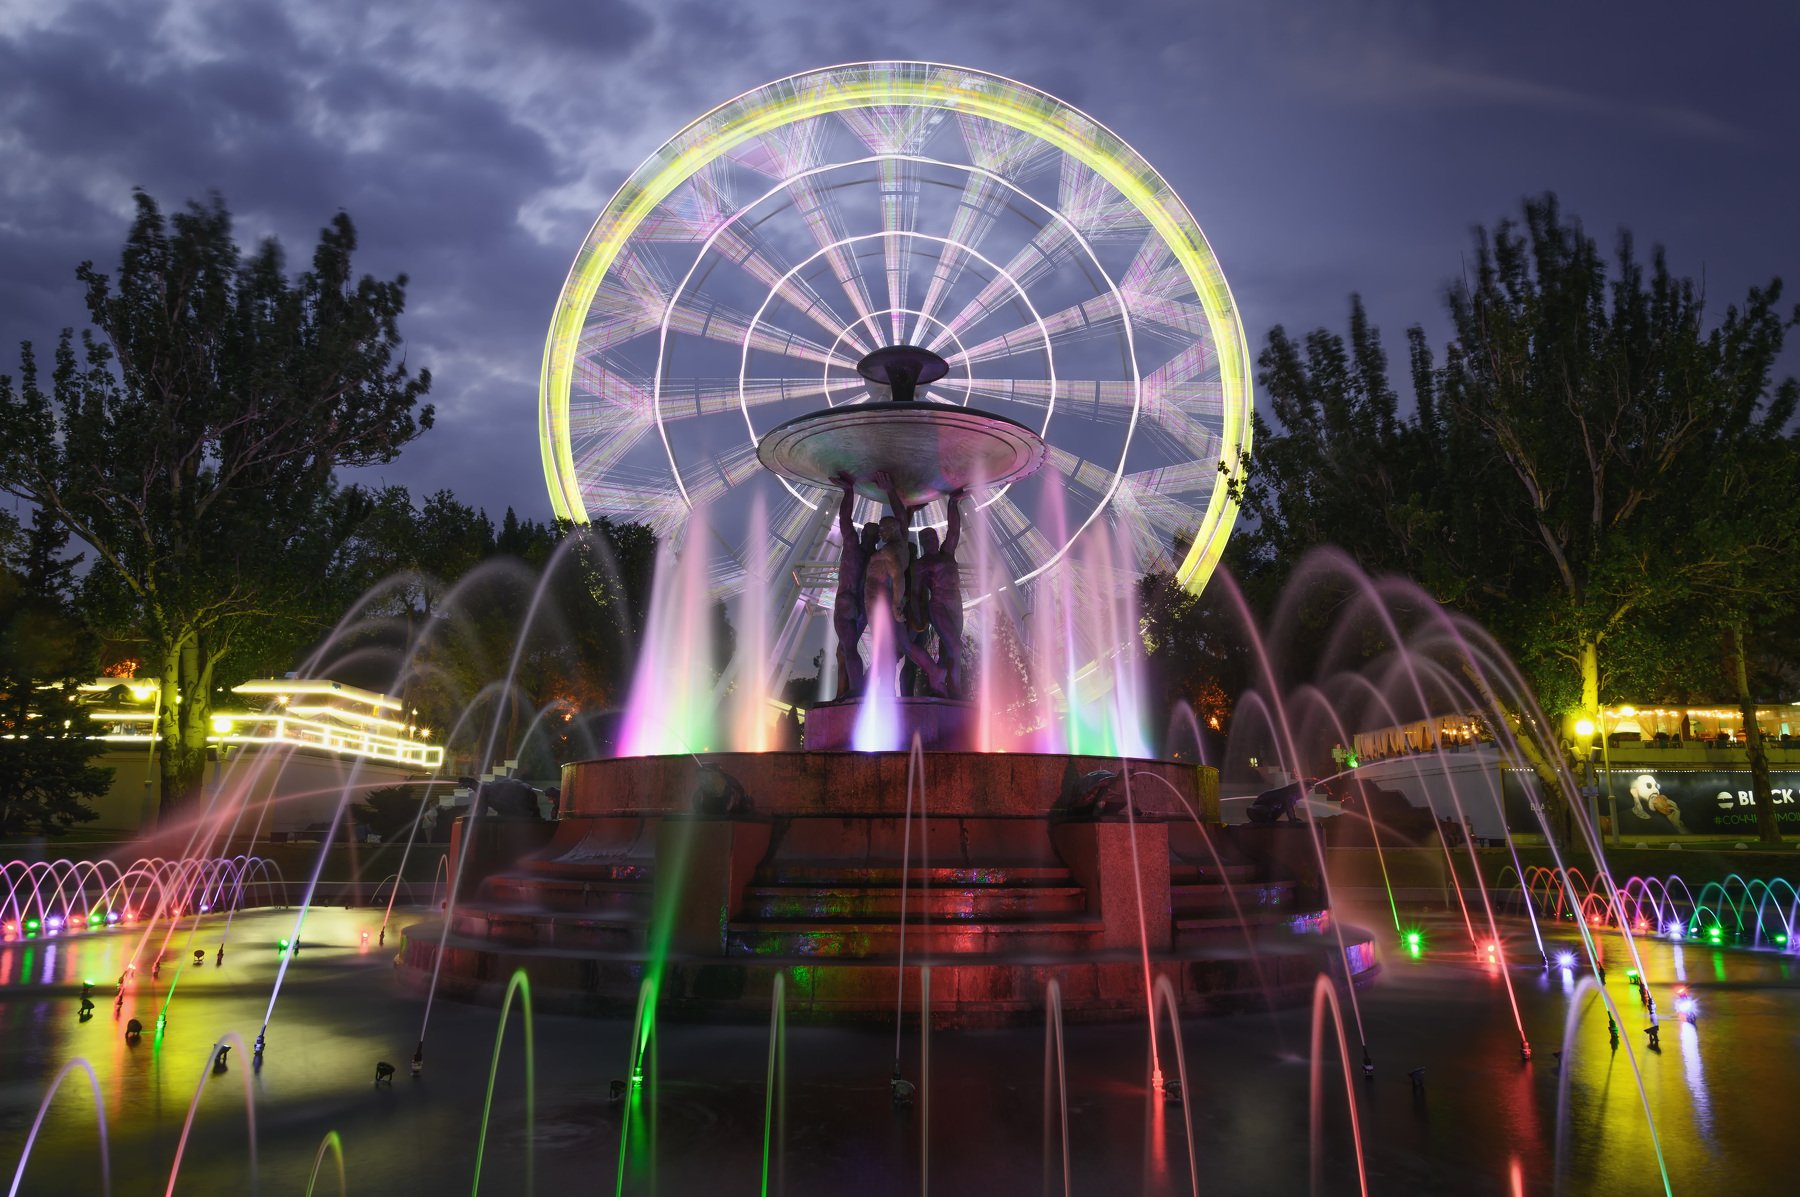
(971, 835)
(725, 874)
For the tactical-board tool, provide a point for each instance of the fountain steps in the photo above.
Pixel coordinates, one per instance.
(806, 877)
(525, 928)
(776, 902)
(996, 990)
(1183, 872)
(831, 873)
(856, 939)
(569, 894)
(1193, 898)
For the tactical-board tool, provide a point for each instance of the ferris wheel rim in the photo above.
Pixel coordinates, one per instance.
(918, 85)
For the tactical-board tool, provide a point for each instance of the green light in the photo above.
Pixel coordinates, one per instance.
(1780, 938)
(31, 925)
(1631, 974)
(282, 946)
(1415, 943)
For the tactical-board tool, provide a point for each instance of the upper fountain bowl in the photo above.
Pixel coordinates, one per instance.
(929, 448)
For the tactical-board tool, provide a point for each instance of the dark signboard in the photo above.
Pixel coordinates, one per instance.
(1672, 801)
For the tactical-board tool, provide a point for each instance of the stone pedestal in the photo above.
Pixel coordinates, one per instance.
(1100, 855)
(942, 725)
(704, 866)
(497, 845)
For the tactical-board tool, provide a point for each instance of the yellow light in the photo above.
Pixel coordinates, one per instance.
(1627, 711)
(222, 724)
(143, 693)
(1584, 727)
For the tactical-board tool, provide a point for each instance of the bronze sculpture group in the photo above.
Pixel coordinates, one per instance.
(906, 594)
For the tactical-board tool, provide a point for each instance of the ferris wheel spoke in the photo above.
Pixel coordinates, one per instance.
(748, 252)
(600, 438)
(1097, 316)
(826, 225)
(1052, 247)
(1082, 474)
(1013, 533)
(687, 399)
(899, 215)
(707, 480)
(1009, 152)
(1158, 525)
(627, 304)
(719, 322)
(1093, 205)
(893, 128)
(787, 154)
(629, 501)
(977, 210)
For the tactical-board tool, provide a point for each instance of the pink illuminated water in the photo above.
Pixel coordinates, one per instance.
(672, 707)
(878, 718)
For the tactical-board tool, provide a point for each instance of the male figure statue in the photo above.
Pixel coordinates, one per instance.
(886, 595)
(937, 585)
(848, 615)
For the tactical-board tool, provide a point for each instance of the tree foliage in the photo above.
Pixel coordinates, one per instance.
(1575, 468)
(46, 744)
(189, 439)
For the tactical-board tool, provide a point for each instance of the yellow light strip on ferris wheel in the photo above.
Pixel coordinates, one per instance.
(939, 86)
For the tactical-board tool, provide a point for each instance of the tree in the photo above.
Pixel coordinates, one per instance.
(46, 742)
(1603, 396)
(1751, 525)
(1551, 480)
(189, 439)
(1193, 654)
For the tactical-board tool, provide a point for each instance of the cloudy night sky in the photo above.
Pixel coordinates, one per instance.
(1324, 147)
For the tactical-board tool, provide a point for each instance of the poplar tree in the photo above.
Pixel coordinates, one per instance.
(188, 438)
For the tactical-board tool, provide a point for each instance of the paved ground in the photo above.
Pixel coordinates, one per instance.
(1722, 1093)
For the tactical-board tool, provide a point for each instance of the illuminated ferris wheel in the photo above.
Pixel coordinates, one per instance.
(740, 273)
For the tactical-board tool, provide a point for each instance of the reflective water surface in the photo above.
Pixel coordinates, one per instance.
(1722, 1090)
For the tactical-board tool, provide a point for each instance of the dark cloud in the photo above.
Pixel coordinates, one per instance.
(1325, 146)
(606, 29)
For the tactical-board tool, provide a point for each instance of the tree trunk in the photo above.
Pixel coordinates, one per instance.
(181, 729)
(1768, 823)
(1590, 680)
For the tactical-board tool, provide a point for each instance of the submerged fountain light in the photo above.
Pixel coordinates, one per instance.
(1675, 929)
(1565, 960)
(1415, 943)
